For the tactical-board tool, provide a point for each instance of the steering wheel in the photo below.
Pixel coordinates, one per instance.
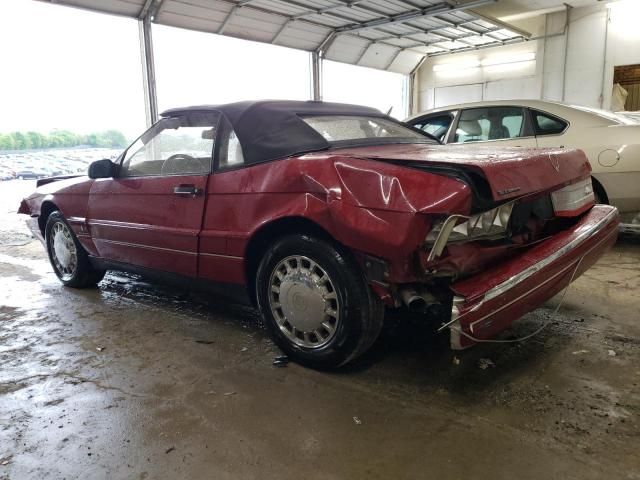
(180, 163)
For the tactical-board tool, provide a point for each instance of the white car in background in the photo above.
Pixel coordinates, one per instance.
(611, 141)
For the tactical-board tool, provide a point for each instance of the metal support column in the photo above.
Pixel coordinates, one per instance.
(411, 88)
(148, 70)
(316, 76)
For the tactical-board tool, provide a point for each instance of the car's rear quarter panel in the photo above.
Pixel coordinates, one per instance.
(369, 206)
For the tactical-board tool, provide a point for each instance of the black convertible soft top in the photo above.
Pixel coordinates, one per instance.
(270, 129)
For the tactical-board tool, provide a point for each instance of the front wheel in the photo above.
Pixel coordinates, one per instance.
(316, 303)
(68, 258)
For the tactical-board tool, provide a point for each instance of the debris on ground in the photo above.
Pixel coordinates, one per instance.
(4, 462)
(99, 349)
(357, 421)
(228, 394)
(485, 363)
(456, 360)
(205, 342)
(170, 449)
(611, 353)
(244, 349)
(580, 352)
(280, 361)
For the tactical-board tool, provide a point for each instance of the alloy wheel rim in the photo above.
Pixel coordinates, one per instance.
(63, 251)
(304, 301)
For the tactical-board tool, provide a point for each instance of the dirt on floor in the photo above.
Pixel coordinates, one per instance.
(133, 380)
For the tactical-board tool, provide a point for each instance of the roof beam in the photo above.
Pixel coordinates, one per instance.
(319, 11)
(393, 58)
(364, 52)
(150, 9)
(275, 38)
(430, 11)
(227, 19)
(326, 44)
(431, 32)
(145, 9)
(497, 43)
(499, 23)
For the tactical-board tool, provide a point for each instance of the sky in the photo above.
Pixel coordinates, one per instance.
(65, 68)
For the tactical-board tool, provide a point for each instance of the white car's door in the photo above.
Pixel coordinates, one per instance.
(499, 125)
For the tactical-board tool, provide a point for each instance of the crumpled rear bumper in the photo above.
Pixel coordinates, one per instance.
(489, 302)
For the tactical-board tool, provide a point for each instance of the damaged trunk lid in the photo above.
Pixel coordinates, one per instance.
(510, 172)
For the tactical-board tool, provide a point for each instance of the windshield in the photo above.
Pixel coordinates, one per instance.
(352, 128)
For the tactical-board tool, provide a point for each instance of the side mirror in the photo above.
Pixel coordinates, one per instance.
(102, 169)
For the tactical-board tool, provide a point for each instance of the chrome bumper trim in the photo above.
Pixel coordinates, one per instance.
(533, 269)
(528, 292)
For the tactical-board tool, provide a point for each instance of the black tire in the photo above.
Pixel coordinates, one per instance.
(84, 275)
(361, 313)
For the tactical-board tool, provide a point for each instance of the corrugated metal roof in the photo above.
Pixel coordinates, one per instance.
(389, 35)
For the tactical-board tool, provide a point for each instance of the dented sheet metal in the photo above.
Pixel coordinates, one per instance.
(490, 301)
(511, 172)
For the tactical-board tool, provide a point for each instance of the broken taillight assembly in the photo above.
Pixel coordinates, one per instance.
(489, 225)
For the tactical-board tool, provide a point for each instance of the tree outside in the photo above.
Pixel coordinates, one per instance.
(61, 139)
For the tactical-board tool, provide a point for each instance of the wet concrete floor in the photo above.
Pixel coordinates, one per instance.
(132, 380)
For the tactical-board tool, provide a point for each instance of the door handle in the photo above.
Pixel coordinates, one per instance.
(187, 190)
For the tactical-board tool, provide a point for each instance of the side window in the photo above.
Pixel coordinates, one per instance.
(174, 146)
(546, 124)
(229, 151)
(489, 123)
(436, 126)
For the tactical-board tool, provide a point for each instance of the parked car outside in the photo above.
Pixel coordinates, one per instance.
(30, 174)
(6, 174)
(323, 214)
(610, 141)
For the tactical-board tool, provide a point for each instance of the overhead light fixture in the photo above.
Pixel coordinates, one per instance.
(486, 62)
(453, 66)
(504, 60)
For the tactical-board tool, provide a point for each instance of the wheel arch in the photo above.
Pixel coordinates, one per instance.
(46, 209)
(599, 190)
(263, 237)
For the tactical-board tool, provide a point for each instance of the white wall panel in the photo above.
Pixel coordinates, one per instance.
(586, 60)
(444, 96)
(523, 88)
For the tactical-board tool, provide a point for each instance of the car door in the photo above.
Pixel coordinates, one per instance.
(150, 214)
(507, 126)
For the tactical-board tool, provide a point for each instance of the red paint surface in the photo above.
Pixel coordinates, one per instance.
(527, 170)
(142, 222)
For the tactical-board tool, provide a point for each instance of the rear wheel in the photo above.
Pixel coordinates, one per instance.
(68, 258)
(316, 303)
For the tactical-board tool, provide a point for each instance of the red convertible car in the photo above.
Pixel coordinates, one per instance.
(323, 214)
